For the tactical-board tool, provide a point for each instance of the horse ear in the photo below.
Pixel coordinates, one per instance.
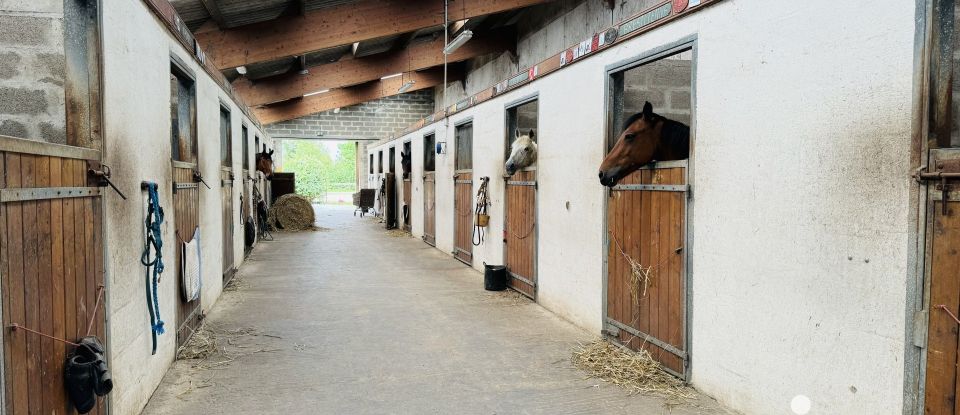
(531, 134)
(647, 109)
(271, 152)
(516, 133)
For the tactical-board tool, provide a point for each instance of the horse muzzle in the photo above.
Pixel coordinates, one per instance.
(609, 179)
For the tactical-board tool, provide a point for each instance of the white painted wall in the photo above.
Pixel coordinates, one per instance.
(799, 163)
(136, 68)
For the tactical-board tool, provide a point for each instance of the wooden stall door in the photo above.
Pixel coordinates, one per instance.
(186, 218)
(463, 219)
(51, 267)
(943, 267)
(405, 211)
(226, 201)
(646, 287)
(520, 232)
(429, 208)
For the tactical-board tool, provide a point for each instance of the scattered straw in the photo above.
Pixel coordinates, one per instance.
(236, 283)
(291, 212)
(508, 297)
(213, 347)
(636, 372)
(397, 233)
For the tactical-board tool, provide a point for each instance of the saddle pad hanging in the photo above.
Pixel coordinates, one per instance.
(190, 267)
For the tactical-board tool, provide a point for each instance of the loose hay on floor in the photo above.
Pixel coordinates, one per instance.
(636, 372)
(397, 233)
(291, 212)
(506, 297)
(212, 347)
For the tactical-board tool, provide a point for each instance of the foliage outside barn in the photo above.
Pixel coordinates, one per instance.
(320, 172)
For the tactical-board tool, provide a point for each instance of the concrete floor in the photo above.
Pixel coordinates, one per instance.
(354, 321)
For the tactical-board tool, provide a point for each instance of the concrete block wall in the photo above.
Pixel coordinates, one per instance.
(32, 100)
(369, 120)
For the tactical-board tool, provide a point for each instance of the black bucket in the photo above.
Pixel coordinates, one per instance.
(494, 277)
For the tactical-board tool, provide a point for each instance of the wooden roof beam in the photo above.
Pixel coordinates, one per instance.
(214, 10)
(345, 97)
(338, 25)
(346, 72)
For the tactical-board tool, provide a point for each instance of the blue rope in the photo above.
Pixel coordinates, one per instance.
(154, 240)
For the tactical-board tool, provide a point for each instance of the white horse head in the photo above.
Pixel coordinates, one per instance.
(523, 152)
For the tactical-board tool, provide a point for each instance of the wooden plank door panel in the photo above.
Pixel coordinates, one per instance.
(943, 266)
(226, 200)
(51, 271)
(520, 232)
(646, 275)
(186, 217)
(406, 210)
(463, 218)
(429, 208)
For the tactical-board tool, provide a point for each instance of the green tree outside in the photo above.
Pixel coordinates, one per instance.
(317, 172)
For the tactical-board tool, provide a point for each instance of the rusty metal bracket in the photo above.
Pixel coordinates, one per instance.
(101, 173)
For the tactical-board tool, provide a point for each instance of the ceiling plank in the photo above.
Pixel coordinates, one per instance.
(214, 10)
(346, 72)
(338, 25)
(345, 97)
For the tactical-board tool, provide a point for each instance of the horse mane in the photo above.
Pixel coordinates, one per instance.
(676, 135)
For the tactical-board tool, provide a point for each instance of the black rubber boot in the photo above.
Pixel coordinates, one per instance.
(80, 377)
(91, 348)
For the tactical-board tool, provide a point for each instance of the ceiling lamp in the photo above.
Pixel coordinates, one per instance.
(242, 70)
(406, 86)
(462, 38)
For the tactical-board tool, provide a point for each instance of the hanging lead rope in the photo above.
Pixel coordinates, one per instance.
(153, 240)
(481, 212)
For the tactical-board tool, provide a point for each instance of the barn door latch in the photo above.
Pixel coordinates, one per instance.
(198, 178)
(101, 173)
(942, 174)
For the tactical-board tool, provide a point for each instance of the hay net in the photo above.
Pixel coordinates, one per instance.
(291, 212)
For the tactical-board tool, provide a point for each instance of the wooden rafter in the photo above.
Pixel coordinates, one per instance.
(345, 97)
(338, 25)
(347, 71)
(213, 8)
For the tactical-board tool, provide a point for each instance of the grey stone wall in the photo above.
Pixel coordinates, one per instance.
(370, 120)
(32, 67)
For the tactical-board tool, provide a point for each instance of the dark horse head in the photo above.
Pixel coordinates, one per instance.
(646, 137)
(265, 162)
(405, 163)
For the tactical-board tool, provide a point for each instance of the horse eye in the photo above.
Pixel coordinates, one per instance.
(630, 136)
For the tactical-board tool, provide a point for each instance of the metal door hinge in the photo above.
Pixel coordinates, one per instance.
(920, 328)
(198, 178)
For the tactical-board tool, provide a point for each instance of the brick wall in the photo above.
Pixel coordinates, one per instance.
(370, 120)
(32, 71)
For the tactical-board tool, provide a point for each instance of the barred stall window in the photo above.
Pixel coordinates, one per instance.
(380, 161)
(665, 83)
(226, 144)
(464, 155)
(183, 115)
(429, 153)
(371, 163)
(391, 167)
(522, 117)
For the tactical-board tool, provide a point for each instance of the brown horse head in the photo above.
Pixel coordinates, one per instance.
(646, 137)
(265, 162)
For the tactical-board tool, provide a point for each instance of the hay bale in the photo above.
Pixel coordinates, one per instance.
(291, 212)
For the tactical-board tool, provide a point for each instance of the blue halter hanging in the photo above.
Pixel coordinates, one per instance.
(154, 240)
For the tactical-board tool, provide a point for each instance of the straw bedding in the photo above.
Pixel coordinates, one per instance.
(636, 372)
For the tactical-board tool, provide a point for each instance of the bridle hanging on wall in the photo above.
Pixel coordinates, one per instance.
(481, 219)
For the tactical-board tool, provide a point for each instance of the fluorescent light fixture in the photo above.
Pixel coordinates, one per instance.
(406, 86)
(336, 110)
(316, 92)
(242, 70)
(462, 38)
(391, 76)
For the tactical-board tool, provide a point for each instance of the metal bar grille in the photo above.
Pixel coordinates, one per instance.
(521, 183)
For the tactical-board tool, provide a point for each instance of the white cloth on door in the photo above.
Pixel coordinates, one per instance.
(190, 267)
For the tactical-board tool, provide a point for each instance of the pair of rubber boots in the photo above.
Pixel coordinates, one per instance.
(86, 374)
